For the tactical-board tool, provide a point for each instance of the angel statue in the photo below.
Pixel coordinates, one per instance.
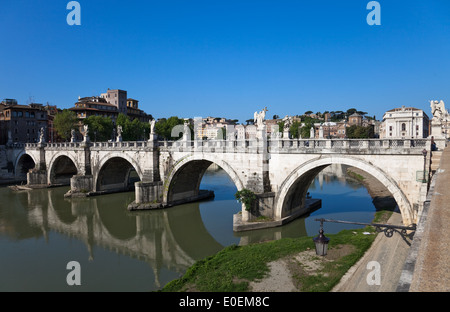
(152, 126)
(259, 117)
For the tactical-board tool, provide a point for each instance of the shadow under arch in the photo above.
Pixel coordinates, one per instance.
(116, 174)
(185, 178)
(62, 169)
(291, 197)
(23, 164)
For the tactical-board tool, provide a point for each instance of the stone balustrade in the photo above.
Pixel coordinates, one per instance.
(364, 146)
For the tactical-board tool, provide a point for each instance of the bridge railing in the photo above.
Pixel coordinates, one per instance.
(300, 145)
(257, 146)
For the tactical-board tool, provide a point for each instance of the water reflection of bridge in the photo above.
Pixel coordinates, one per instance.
(171, 239)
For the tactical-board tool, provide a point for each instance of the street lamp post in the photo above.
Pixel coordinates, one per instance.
(321, 241)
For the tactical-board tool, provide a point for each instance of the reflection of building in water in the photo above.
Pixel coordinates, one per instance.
(333, 171)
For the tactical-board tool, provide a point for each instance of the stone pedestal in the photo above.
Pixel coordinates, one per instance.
(436, 130)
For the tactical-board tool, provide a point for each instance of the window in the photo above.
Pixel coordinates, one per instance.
(403, 127)
(19, 114)
(417, 127)
(390, 128)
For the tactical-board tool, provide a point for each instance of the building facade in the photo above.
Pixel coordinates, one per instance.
(110, 104)
(405, 122)
(22, 123)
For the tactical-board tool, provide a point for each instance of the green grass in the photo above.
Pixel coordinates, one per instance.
(232, 269)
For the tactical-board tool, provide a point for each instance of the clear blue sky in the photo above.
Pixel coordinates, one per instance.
(229, 58)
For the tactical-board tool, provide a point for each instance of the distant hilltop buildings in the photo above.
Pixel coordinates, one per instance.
(110, 104)
(23, 123)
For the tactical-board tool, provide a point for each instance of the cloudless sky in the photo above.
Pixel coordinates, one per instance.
(229, 58)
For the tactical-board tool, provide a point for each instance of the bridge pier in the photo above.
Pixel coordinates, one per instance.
(148, 195)
(37, 177)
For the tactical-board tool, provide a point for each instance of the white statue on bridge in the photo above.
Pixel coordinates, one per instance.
(86, 133)
(41, 135)
(152, 126)
(259, 117)
(119, 133)
(438, 110)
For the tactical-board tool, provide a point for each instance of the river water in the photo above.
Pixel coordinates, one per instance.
(41, 232)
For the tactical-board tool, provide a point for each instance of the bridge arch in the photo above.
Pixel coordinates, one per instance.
(113, 173)
(61, 168)
(23, 163)
(292, 193)
(184, 179)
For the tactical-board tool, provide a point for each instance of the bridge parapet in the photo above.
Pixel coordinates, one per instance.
(354, 146)
(363, 146)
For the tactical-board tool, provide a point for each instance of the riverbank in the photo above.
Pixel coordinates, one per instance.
(290, 265)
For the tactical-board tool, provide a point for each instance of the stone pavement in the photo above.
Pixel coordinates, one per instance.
(420, 265)
(427, 268)
(389, 252)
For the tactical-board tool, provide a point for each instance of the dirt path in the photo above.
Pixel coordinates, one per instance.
(389, 252)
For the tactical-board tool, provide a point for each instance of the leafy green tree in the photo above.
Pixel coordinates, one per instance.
(280, 126)
(163, 127)
(132, 130)
(359, 132)
(305, 130)
(100, 128)
(294, 129)
(64, 122)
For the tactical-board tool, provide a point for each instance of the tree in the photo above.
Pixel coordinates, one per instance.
(280, 126)
(294, 129)
(64, 122)
(306, 129)
(275, 117)
(308, 112)
(101, 128)
(163, 127)
(351, 111)
(359, 132)
(132, 130)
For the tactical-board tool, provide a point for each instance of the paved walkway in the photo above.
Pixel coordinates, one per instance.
(390, 253)
(422, 266)
(431, 269)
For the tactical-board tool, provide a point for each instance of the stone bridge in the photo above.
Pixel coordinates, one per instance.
(278, 171)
